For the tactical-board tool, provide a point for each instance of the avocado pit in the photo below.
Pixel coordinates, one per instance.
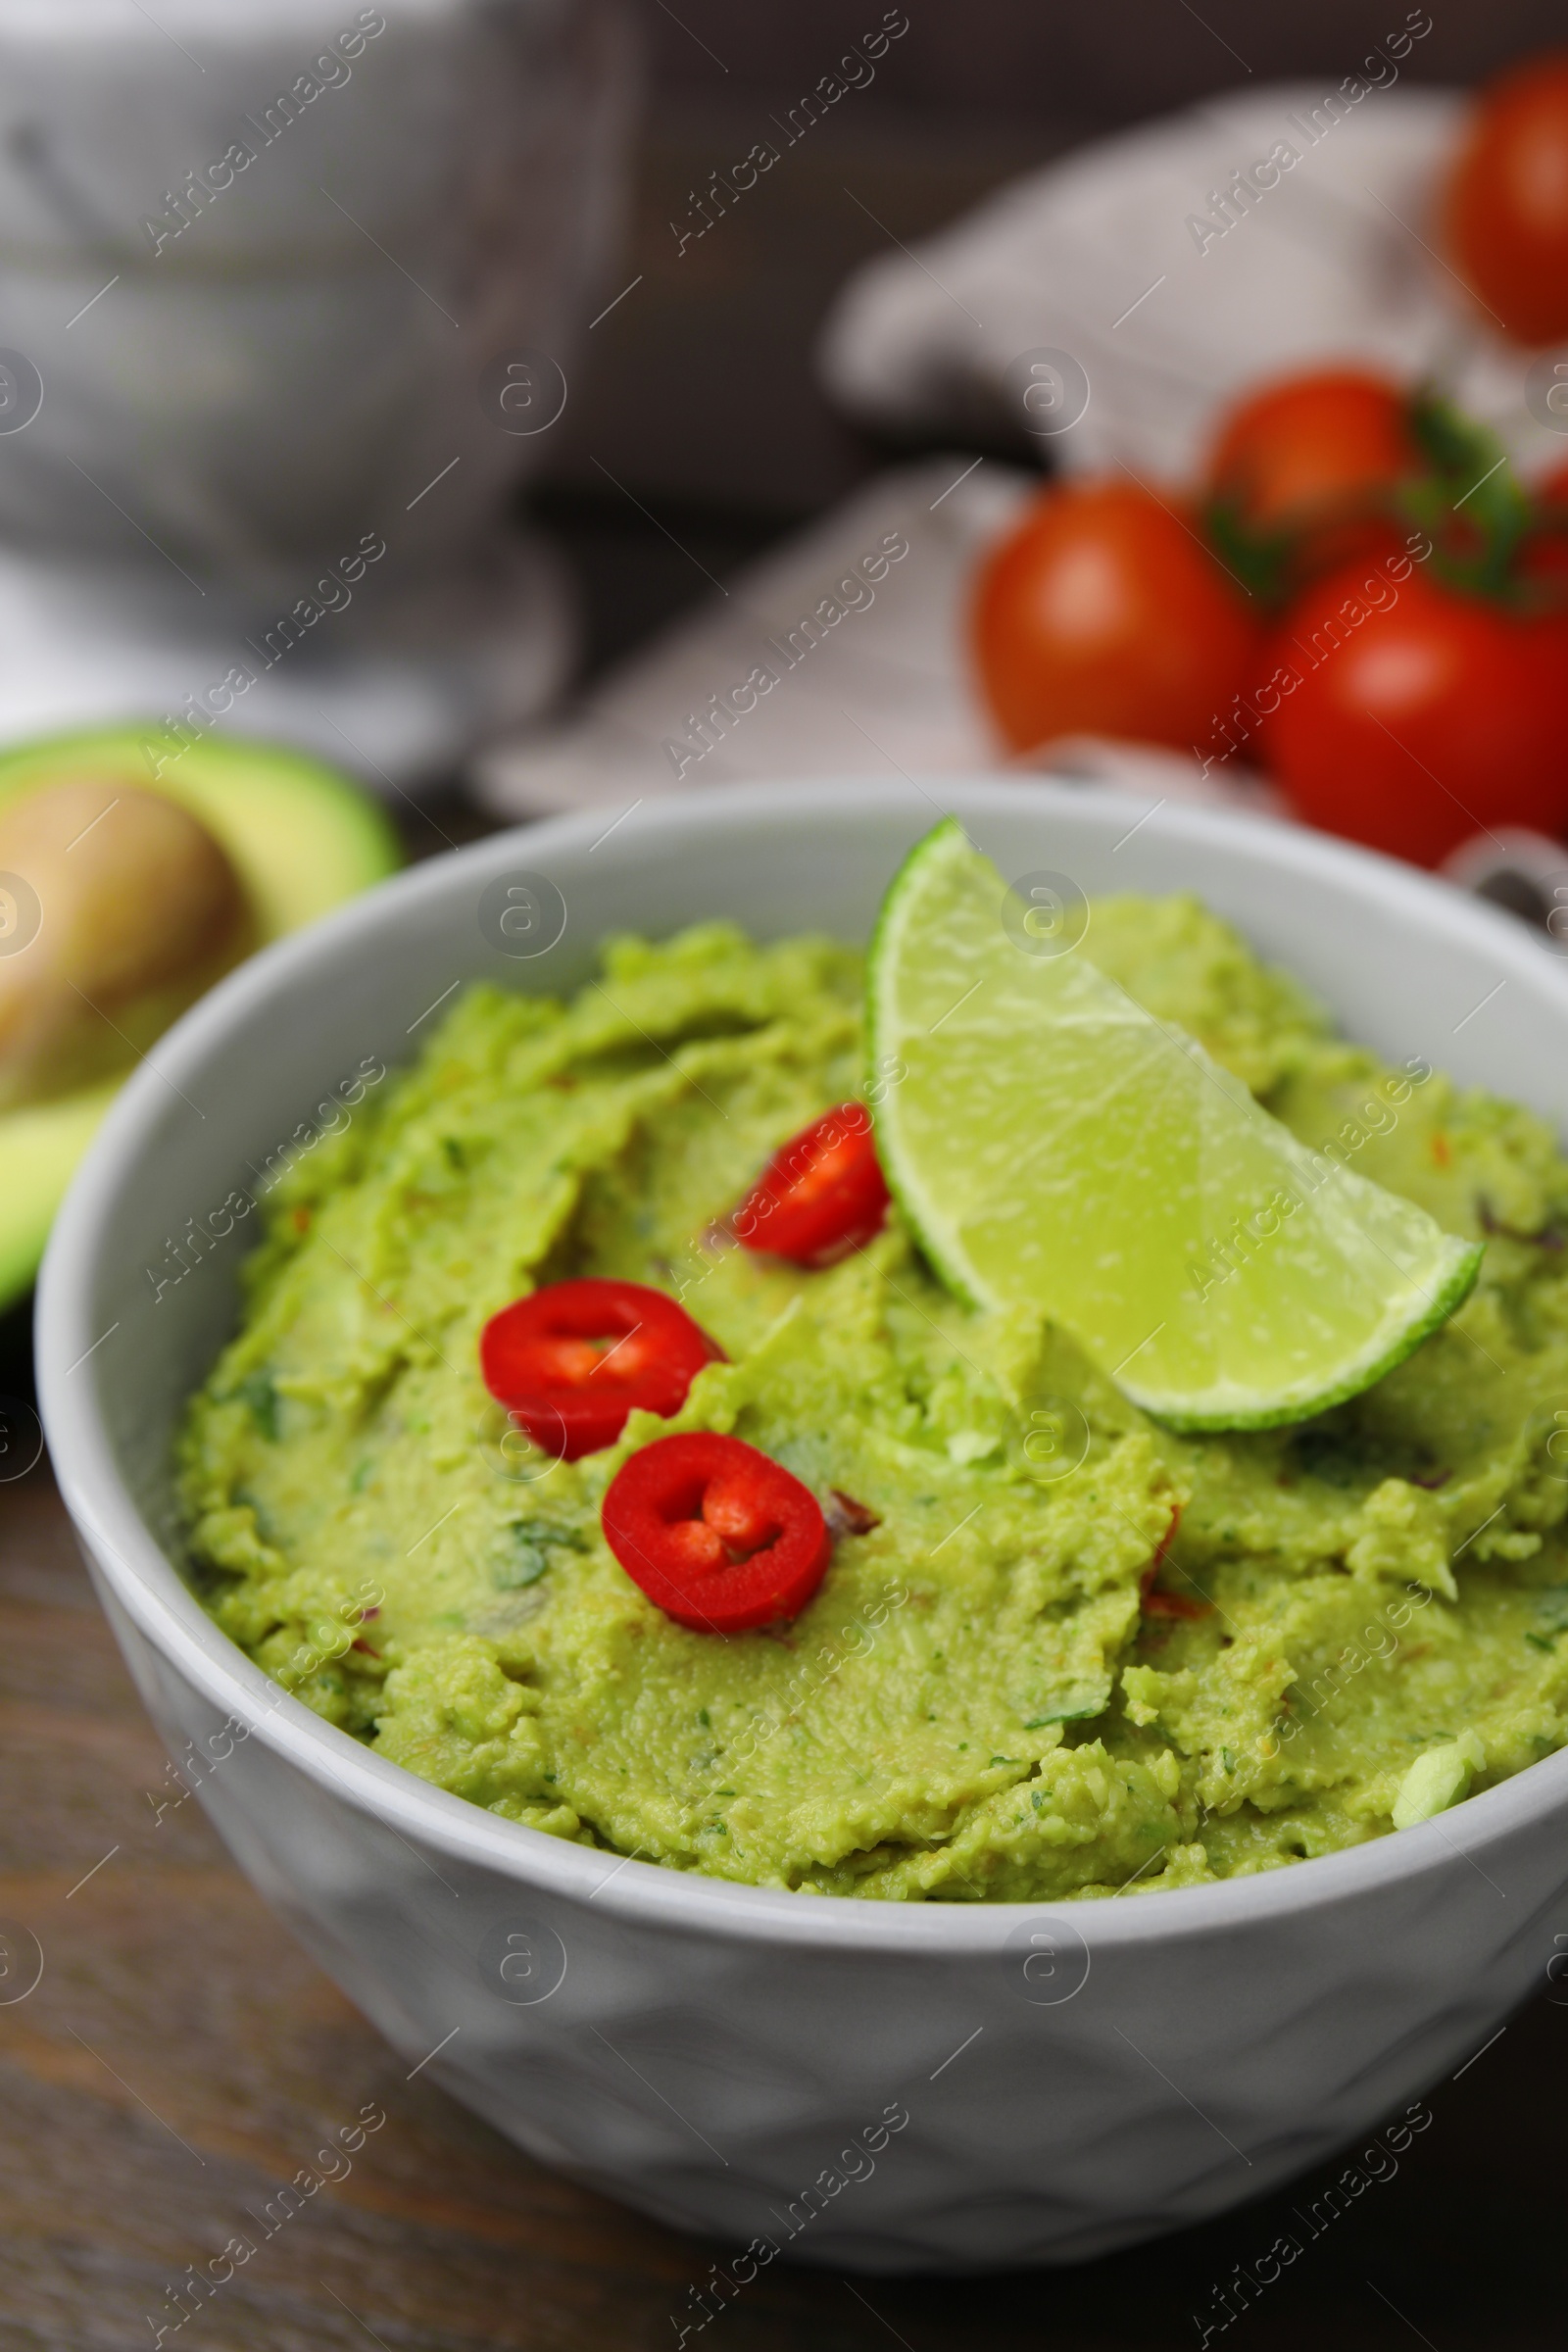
(135, 910)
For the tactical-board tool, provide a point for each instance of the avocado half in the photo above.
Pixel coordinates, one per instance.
(300, 837)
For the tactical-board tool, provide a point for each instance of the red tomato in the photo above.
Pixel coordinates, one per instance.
(1542, 560)
(719, 1535)
(1103, 613)
(820, 1195)
(1505, 208)
(1311, 455)
(1416, 723)
(571, 1361)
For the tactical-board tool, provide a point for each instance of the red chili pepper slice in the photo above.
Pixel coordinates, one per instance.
(719, 1537)
(1168, 1604)
(572, 1359)
(822, 1194)
(854, 1518)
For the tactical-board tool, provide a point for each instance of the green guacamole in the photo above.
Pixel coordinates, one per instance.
(1357, 1620)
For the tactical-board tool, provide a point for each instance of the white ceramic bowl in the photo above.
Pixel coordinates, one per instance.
(1072, 2077)
(384, 210)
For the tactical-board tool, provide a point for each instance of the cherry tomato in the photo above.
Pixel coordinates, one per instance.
(1429, 716)
(571, 1361)
(1103, 613)
(820, 1195)
(1505, 208)
(719, 1537)
(1311, 456)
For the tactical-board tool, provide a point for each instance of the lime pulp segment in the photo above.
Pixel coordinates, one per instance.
(1052, 1144)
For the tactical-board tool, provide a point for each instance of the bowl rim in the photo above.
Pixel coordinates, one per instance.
(147, 1585)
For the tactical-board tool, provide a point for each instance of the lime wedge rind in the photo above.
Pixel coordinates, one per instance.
(881, 1023)
(1363, 1372)
(1009, 1147)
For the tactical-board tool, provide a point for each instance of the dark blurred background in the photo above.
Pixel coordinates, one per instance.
(1023, 63)
(700, 393)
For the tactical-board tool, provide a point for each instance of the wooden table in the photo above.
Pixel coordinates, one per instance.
(180, 2058)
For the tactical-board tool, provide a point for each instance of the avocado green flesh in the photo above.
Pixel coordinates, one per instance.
(300, 838)
(975, 1706)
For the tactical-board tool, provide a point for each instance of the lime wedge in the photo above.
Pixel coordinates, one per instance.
(1052, 1144)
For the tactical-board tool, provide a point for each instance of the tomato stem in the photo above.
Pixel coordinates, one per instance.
(1468, 500)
